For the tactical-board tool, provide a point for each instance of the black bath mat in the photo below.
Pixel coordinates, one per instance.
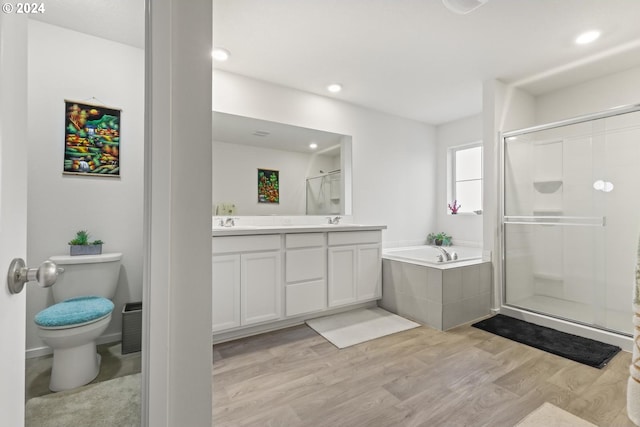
(579, 349)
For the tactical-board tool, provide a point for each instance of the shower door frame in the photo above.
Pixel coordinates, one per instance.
(545, 319)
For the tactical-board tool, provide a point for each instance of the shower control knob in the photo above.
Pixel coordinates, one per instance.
(19, 274)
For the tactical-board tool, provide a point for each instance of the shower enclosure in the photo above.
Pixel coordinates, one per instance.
(324, 194)
(571, 218)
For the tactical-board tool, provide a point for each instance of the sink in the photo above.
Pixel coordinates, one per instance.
(236, 227)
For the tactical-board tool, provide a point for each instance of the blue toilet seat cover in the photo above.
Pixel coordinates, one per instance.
(74, 311)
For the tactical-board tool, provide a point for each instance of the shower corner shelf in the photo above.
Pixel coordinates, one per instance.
(551, 277)
(547, 186)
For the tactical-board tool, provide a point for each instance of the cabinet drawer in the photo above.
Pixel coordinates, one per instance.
(305, 264)
(267, 242)
(304, 240)
(305, 297)
(354, 237)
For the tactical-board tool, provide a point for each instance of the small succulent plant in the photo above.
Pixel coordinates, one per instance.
(82, 238)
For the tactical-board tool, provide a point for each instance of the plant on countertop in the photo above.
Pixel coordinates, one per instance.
(439, 239)
(80, 245)
(454, 207)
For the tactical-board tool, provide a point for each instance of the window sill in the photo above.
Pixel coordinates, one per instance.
(465, 214)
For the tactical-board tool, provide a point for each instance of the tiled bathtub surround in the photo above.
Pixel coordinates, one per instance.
(439, 298)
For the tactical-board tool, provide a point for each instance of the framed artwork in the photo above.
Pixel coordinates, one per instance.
(268, 186)
(91, 140)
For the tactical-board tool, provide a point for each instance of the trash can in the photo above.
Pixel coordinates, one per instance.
(132, 327)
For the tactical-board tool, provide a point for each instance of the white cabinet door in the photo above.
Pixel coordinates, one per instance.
(226, 291)
(260, 278)
(369, 276)
(342, 275)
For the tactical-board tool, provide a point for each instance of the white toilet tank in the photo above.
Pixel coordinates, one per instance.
(86, 275)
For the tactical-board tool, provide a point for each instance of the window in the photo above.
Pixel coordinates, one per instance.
(466, 177)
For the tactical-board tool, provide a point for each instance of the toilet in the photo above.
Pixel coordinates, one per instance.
(81, 313)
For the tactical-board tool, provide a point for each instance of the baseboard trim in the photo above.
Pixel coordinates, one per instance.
(220, 337)
(45, 350)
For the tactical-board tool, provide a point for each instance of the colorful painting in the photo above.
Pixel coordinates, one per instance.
(268, 186)
(92, 140)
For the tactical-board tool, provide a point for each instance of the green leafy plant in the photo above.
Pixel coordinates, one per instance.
(82, 239)
(441, 238)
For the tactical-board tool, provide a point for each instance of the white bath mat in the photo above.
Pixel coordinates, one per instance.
(549, 415)
(356, 326)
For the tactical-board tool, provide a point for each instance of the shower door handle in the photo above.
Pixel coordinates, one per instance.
(46, 275)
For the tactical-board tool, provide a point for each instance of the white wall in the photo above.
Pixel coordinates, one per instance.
(64, 64)
(504, 108)
(613, 90)
(464, 228)
(235, 180)
(177, 278)
(394, 159)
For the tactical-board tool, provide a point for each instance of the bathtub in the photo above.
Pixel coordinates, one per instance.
(441, 295)
(428, 255)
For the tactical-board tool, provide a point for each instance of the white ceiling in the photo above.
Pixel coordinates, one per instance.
(261, 133)
(411, 58)
(118, 20)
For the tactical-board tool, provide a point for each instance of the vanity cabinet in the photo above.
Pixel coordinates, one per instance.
(268, 277)
(305, 273)
(354, 267)
(246, 280)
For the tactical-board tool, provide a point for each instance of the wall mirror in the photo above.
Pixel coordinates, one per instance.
(313, 168)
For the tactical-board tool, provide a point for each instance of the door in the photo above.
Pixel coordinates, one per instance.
(570, 218)
(342, 275)
(226, 291)
(369, 277)
(260, 287)
(13, 211)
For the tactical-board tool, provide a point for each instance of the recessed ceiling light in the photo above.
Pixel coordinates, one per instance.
(587, 37)
(220, 54)
(313, 145)
(334, 87)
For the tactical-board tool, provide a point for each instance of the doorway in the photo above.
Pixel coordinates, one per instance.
(85, 64)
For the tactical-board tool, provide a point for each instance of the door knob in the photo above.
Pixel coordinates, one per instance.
(19, 274)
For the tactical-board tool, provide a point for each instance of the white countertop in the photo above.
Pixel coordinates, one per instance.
(241, 230)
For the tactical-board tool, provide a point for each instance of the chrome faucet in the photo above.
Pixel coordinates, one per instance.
(446, 255)
(229, 222)
(334, 220)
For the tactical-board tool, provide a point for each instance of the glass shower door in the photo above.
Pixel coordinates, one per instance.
(568, 221)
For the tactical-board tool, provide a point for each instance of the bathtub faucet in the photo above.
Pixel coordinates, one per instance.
(446, 255)
(334, 221)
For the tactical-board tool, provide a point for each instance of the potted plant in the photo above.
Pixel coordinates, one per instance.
(439, 239)
(80, 245)
(453, 207)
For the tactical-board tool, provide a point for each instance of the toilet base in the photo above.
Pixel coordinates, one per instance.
(74, 367)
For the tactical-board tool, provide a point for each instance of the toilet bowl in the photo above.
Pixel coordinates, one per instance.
(82, 312)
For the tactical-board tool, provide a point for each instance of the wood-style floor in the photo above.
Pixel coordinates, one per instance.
(420, 377)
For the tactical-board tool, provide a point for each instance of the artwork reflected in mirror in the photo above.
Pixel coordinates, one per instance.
(268, 186)
(300, 171)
